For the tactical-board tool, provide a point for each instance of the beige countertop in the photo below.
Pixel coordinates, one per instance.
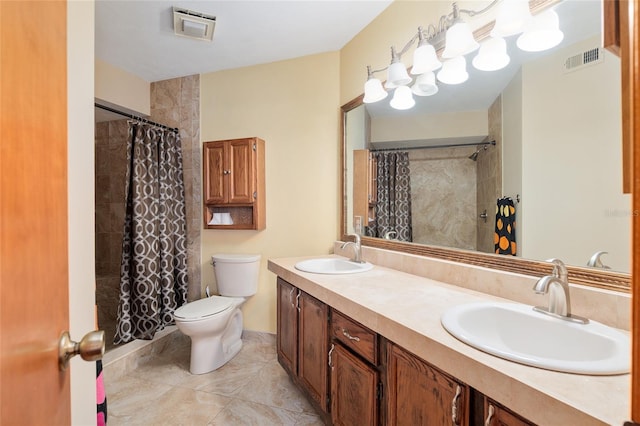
(406, 309)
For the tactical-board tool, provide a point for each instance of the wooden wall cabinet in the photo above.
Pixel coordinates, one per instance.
(234, 184)
(302, 341)
(365, 190)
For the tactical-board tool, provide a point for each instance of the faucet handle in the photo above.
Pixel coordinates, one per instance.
(559, 268)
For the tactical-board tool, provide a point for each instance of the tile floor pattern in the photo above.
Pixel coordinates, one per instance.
(252, 389)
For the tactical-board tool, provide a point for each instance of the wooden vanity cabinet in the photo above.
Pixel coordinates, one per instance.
(302, 341)
(234, 183)
(355, 378)
(419, 394)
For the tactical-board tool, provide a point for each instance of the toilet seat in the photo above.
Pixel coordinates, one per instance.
(203, 308)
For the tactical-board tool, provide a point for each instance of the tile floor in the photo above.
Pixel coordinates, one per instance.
(252, 389)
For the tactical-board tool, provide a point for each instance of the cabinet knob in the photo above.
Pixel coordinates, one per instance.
(226, 172)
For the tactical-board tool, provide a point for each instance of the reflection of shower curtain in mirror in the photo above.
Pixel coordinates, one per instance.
(505, 235)
(393, 209)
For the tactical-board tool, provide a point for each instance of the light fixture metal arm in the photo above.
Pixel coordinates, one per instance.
(478, 12)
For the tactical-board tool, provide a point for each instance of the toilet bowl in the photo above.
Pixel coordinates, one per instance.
(214, 324)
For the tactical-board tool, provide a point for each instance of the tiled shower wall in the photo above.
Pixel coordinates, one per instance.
(175, 103)
(443, 197)
(490, 179)
(111, 163)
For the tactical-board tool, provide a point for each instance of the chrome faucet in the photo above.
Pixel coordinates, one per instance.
(557, 285)
(389, 234)
(596, 260)
(357, 247)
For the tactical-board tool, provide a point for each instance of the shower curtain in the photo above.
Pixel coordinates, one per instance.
(393, 209)
(153, 272)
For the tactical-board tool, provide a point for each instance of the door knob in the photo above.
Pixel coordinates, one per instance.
(90, 348)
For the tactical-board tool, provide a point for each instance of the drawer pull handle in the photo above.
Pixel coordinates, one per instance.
(346, 334)
(487, 422)
(298, 302)
(330, 353)
(454, 406)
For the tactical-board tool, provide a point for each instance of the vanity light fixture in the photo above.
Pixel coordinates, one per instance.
(541, 33)
(454, 71)
(454, 39)
(373, 90)
(492, 55)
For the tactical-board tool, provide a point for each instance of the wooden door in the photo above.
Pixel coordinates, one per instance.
(313, 348)
(287, 326)
(214, 175)
(33, 212)
(354, 385)
(419, 394)
(243, 171)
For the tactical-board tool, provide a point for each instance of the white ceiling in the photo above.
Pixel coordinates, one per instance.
(137, 35)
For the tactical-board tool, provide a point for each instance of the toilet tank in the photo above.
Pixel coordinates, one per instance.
(236, 274)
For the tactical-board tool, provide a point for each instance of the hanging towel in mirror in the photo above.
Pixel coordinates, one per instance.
(505, 235)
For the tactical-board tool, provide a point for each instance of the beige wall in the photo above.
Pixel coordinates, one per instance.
(430, 126)
(294, 106)
(572, 200)
(80, 49)
(118, 88)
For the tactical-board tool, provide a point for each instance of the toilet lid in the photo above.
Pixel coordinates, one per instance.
(203, 308)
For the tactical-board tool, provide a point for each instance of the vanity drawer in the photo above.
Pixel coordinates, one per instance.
(355, 336)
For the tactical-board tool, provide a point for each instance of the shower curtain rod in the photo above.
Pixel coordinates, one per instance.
(135, 117)
(452, 145)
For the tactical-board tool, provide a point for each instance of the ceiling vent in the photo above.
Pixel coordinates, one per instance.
(187, 23)
(583, 59)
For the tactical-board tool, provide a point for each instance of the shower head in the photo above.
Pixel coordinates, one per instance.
(474, 156)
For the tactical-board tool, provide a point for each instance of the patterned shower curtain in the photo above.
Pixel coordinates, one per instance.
(153, 272)
(393, 209)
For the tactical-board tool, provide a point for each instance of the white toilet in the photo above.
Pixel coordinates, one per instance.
(214, 324)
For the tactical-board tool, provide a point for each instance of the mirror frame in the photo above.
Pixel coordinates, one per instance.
(603, 279)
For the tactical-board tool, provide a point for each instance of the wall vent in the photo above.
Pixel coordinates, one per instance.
(583, 59)
(187, 23)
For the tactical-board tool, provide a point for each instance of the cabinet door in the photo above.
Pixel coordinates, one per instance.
(214, 166)
(496, 415)
(242, 171)
(419, 394)
(354, 385)
(313, 347)
(287, 326)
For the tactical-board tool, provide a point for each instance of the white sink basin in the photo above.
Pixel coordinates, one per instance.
(517, 333)
(332, 265)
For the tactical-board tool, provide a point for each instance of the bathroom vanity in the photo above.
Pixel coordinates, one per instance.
(368, 348)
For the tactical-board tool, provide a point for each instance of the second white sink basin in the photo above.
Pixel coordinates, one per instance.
(332, 265)
(517, 333)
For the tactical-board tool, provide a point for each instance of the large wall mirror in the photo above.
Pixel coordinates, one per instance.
(544, 133)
